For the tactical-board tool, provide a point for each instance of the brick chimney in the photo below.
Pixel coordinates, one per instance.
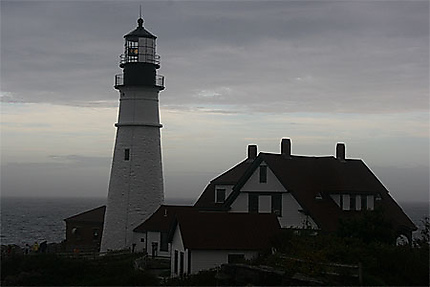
(340, 151)
(252, 151)
(286, 147)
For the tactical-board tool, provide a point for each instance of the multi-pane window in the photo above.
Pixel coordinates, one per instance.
(353, 201)
(147, 50)
(132, 51)
(263, 174)
(220, 195)
(253, 203)
(277, 204)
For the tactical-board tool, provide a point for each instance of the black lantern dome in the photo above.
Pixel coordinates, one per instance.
(140, 61)
(140, 31)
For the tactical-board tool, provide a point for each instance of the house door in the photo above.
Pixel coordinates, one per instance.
(154, 249)
(181, 264)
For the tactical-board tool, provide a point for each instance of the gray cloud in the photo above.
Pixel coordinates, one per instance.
(234, 60)
(264, 56)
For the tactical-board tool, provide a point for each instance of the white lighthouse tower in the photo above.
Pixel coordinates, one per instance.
(136, 181)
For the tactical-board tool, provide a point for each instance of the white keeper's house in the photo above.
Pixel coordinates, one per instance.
(300, 192)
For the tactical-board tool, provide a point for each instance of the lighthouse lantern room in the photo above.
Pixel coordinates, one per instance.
(139, 60)
(136, 181)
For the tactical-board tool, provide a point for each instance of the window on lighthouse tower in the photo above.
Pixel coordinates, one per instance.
(132, 51)
(127, 154)
(147, 50)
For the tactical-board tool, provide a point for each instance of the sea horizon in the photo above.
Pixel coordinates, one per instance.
(25, 220)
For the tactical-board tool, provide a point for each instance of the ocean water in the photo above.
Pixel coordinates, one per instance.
(26, 220)
(30, 219)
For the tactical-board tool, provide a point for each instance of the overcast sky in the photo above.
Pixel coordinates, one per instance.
(237, 73)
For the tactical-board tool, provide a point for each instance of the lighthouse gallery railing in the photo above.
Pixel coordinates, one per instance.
(119, 80)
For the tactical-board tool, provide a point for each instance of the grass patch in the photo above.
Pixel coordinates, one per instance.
(52, 270)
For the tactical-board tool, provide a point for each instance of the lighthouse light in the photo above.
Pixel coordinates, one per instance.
(131, 51)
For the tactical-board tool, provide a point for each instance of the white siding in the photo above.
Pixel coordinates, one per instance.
(140, 246)
(200, 259)
(240, 204)
(152, 237)
(136, 184)
(178, 245)
(291, 217)
(272, 184)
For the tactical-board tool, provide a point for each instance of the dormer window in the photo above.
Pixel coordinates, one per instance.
(220, 195)
(263, 174)
(350, 201)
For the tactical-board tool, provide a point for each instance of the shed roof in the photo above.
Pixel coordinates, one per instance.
(96, 215)
(226, 231)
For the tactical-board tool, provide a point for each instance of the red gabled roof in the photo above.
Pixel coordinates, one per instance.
(162, 218)
(96, 215)
(226, 231)
(306, 177)
(231, 176)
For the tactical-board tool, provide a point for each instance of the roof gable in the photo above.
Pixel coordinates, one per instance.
(271, 184)
(231, 176)
(162, 218)
(307, 178)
